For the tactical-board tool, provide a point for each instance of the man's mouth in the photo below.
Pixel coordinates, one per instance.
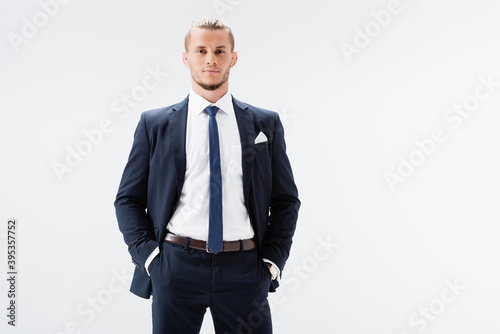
(211, 70)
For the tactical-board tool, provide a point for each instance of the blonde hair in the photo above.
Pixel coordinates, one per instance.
(210, 23)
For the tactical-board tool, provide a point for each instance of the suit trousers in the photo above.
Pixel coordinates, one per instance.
(234, 285)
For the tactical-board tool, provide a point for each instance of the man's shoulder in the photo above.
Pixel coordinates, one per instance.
(256, 111)
(163, 113)
(158, 113)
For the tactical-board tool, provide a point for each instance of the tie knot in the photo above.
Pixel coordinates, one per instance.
(212, 110)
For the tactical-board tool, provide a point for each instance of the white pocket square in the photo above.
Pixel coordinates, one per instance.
(261, 138)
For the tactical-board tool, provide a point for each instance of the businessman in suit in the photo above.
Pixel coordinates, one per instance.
(207, 203)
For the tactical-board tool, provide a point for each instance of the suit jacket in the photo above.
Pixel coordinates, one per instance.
(154, 174)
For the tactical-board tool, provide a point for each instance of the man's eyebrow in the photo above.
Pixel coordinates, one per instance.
(217, 47)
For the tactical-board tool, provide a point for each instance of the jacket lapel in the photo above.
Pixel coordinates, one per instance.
(177, 129)
(244, 118)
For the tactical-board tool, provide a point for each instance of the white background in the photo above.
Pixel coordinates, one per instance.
(348, 121)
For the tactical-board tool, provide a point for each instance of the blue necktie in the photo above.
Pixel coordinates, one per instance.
(215, 242)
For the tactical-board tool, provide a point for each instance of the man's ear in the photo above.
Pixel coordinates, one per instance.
(234, 58)
(185, 59)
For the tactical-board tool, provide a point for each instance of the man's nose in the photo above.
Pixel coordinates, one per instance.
(210, 58)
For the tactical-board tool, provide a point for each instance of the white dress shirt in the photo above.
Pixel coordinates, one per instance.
(190, 219)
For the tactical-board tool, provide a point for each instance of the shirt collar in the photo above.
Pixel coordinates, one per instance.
(198, 104)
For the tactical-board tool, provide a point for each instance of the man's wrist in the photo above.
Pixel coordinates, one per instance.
(273, 270)
(150, 258)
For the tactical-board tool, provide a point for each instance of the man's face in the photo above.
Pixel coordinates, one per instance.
(209, 57)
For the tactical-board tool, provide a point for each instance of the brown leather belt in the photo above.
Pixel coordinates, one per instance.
(229, 246)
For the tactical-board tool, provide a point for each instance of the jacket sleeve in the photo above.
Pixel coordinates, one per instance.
(131, 199)
(284, 202)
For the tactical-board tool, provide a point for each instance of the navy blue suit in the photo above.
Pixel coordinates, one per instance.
(154, 175)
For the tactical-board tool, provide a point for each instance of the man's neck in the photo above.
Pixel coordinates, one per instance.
(210, 95)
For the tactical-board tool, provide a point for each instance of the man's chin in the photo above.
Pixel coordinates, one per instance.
(210, 87)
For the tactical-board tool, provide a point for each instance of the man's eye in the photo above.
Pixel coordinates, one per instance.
(220, 51)
(200, 51)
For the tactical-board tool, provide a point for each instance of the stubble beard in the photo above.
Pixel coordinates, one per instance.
(211, 87)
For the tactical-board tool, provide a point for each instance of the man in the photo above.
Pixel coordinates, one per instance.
(207, 203)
